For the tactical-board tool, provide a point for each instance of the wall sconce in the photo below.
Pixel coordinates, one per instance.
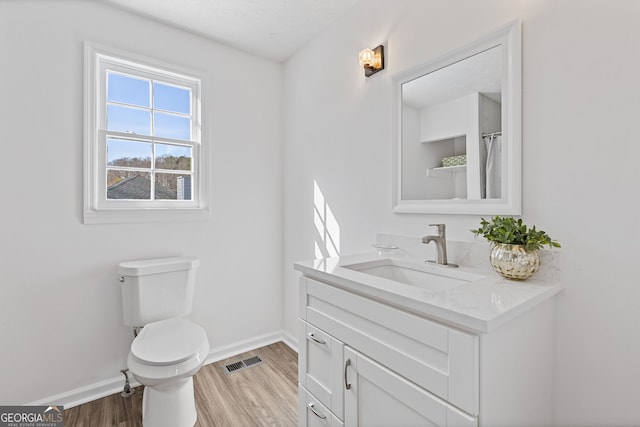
(372, 60)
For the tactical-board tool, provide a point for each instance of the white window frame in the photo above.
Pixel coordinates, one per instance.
(97, 208)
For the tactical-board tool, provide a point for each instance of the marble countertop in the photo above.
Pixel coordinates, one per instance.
(481, 305)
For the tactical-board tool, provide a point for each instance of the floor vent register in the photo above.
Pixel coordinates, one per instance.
(242, 364)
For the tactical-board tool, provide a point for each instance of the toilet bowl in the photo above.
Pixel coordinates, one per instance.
(168, 351)
(164, 357)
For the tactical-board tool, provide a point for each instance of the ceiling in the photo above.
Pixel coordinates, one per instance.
(478, 73)
(274, 29)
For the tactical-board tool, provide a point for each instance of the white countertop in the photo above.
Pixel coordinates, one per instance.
(481, 305)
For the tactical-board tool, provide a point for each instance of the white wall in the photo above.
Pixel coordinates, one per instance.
(458, 118)
(450, 119)
(581, 101)
(60, 312)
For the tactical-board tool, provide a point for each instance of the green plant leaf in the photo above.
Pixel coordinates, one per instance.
(513, 231)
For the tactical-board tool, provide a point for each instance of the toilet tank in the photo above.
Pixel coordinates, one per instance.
(157, 289)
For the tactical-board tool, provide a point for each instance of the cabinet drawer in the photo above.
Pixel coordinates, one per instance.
(440, 359)
(320, 366)
(312, 413)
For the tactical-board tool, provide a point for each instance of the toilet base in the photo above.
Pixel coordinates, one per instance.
(171, 405)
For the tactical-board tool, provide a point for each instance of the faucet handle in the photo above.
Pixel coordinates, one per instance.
(441, 228)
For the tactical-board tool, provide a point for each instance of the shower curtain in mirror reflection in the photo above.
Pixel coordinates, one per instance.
(493, 166)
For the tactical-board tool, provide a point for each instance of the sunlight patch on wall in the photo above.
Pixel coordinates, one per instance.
(327, 241)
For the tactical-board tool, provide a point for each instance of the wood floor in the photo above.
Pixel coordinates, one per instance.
(262, 395)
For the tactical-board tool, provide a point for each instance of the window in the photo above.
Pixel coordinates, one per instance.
(143, 148)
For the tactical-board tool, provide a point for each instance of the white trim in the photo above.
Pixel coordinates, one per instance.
(290, 340)
(134, 216)
(86, 394)
(100, 389)
(238, 347)
(98, 211)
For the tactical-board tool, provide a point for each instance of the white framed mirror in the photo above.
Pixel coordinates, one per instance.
(457, 124)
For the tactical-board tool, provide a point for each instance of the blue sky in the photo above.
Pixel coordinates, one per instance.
(136, 116)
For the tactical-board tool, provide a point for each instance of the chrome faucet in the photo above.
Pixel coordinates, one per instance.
(441, 245)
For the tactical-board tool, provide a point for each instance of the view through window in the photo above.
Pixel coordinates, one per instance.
(153, 159)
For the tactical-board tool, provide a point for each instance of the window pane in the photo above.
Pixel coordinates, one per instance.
(128, 90)
(170, 126)
(171, 186)
(173, 157)
(128, 153)
(132, 120)
(123, 184)
(171, 98)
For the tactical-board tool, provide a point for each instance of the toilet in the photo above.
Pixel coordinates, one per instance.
(169, 349)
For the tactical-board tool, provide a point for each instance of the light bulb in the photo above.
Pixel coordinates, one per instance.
(367, 58)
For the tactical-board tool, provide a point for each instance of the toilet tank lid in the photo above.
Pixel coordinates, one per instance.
(158, 265)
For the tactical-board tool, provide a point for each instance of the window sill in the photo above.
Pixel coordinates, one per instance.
(137, 216)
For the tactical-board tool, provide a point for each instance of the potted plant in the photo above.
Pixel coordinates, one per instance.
(515, 246)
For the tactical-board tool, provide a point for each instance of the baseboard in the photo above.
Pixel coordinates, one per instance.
(88, 393)
(243, 346)
(290, 340)
(110, 386)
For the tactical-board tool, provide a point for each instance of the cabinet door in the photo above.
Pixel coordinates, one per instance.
(376, 396)
(312, 413)
(320, 366)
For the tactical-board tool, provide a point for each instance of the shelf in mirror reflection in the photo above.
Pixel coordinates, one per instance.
(446, 171)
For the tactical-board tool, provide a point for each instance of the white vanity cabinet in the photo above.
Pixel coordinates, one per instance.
(386, 352)
(366, 362)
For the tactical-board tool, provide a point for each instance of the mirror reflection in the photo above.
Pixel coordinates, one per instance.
(451, 131)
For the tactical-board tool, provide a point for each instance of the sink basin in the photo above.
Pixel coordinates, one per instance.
(426, 276)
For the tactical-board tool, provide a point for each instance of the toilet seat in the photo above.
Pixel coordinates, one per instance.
(168, 342)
